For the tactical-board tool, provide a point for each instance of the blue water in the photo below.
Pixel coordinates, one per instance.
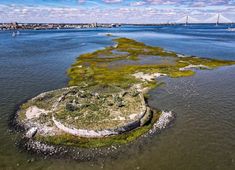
(36, 61)
(201, 40)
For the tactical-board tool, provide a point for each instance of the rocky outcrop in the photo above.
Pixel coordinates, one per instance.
(31, 132)
(46, 121)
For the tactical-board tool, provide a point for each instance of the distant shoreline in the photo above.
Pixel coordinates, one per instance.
(52, 26)
(75, 26)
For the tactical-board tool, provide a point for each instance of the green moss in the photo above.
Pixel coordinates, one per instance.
(211, 63)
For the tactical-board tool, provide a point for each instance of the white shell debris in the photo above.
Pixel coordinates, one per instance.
(193, 66)
(147, 77)
(31, 132)
(181, 55)
(164, 120)
(34, 112)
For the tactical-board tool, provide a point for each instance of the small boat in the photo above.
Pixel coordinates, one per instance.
(13, 34)
(18, 33)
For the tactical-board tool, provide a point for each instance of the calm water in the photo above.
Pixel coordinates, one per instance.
(203, 135)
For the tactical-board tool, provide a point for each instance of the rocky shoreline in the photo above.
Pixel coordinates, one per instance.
(93, 154)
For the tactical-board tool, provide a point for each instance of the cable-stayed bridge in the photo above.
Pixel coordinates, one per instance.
(188, 19)
(217, 19)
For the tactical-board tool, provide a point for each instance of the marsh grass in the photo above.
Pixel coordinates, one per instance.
(93, 70)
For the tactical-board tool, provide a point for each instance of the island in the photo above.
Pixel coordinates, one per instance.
(106, 101)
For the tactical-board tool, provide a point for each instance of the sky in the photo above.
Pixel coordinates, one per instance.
(113, 11)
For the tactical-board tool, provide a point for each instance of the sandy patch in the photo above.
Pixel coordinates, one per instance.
(147, 77)
(193, 66)
(34, 112)
(133, 116)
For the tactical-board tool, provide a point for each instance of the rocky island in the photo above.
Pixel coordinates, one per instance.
(106, 102)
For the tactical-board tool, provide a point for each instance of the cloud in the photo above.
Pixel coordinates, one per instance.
(137, 3)
(189, 3)
(81, 1)
(164, 2)
(141, 11)
(112, 1)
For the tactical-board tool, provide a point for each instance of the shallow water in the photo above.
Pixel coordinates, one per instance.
(202, 136)
(119, 52)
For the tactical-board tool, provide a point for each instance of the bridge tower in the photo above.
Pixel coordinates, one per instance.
(218, 19)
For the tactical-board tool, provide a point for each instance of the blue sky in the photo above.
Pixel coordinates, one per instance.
(123, 11)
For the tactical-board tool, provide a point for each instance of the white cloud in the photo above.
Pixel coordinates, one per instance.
(134, 14)
(137, 3)
(112, 1)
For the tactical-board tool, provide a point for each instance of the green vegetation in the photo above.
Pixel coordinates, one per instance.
(96, 70)
(95, 107)
(90, 69)
(110, 71)
(70, 140)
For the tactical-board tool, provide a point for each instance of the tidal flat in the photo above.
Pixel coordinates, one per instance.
(106, 103)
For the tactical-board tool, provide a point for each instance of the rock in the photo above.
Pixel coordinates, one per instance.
(83, 95)
(120, 104)
(31, 132)
(97, 95)
(110, 103)
(146, 117)
(121, 95)
(70, 107)
(134, 93)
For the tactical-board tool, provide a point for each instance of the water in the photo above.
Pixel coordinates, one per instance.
(202, 136)
(144, 60)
